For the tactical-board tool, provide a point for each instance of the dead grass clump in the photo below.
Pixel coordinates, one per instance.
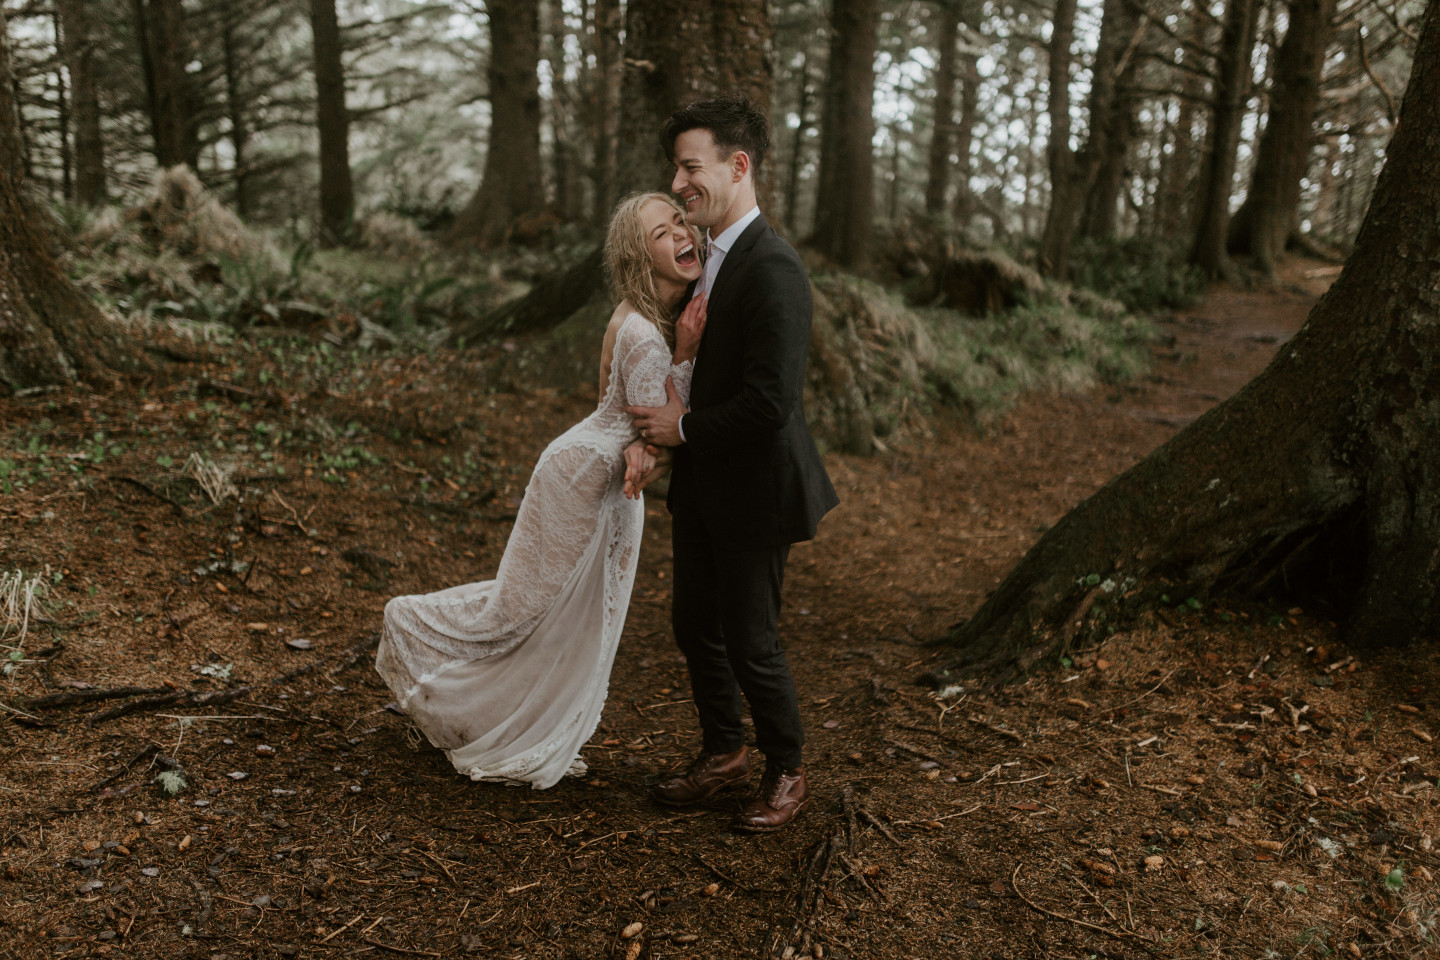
(182, 216)
(880, 368)
(394, 237)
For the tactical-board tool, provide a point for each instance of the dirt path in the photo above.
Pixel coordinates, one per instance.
(1215, 781)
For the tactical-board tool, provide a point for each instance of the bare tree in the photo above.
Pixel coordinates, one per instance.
(845, 212)
(512, 185)
(337, 191)
(1232, 87)
(78, 46)
(1266, 219)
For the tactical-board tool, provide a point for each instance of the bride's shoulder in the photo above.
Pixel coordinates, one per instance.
(626, 316)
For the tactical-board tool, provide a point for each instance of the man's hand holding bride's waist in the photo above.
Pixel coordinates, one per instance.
(644, 464)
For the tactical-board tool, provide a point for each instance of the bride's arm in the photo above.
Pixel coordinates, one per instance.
(644, 363)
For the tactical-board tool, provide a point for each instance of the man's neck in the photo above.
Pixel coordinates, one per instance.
(743, 203)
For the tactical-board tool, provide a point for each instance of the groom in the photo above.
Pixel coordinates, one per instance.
(746, 480)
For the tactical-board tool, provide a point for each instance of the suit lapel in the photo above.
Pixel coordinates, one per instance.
(743, 243)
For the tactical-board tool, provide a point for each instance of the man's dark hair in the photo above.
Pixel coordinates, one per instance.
(734, 122)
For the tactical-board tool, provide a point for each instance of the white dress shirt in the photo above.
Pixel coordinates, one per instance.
(715, 250)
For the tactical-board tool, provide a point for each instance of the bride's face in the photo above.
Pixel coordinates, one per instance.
(671, 244)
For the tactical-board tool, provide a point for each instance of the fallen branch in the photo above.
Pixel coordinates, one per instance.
(52, 700)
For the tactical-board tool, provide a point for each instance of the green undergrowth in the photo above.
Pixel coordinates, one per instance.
(880, 370)
(182, 258)
(1146, 274)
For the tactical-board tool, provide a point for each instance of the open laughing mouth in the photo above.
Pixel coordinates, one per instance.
(686, 256)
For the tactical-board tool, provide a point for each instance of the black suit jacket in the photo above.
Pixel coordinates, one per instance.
(749, 468)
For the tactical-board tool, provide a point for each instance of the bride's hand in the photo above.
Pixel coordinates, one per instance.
(644, 465)
(689, 328)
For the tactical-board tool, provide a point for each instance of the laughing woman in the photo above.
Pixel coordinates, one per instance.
(508, 676)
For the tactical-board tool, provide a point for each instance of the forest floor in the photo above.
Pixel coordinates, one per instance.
(1216, 779)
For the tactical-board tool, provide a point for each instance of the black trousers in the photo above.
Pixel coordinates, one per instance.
(725, 615)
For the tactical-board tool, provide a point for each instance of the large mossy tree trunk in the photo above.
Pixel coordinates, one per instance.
(512, 185)
(1328, 459)
(845, 215)
(1265, 220)
(50, 333)
(332, 120)
(675, 55)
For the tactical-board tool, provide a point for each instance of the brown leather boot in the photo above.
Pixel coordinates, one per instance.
(706, 776)
(783, 794)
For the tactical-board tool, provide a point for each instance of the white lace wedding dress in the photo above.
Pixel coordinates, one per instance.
(508, 676)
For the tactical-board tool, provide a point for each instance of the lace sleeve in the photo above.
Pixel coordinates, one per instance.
(643, 361)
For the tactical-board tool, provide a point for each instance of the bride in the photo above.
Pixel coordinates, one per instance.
(508, 676)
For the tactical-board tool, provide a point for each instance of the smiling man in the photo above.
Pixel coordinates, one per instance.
(747, 480)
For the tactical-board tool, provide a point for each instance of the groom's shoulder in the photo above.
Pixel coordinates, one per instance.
(774, 250)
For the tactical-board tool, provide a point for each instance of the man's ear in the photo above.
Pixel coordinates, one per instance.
(739, 165)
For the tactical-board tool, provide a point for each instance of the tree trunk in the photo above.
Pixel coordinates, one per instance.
(50, 333)
(845, 213)
(676, 55)
(235, 109)
(606, 93)
(1173, 191)
(79, 50)
(797, 154)
(1053, 257)
(165, 51)
(1232, 86)
(1265, 220)
(62, 110)
(1324, 468)
(966, 203)
(337, 191)
(1112, 117)
(937, 183)
(512, 186)
(561, 163)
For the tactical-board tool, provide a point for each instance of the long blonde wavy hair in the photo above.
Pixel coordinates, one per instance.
(630, 265)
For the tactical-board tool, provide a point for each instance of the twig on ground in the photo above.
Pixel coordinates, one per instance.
(146, 752)
(394, 949)
(1118, 934)
(20, 713)
(1131, 703)
(1000, 730)
(869, 818)
(178, 507)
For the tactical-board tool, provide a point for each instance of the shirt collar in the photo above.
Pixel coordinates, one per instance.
(726, 240)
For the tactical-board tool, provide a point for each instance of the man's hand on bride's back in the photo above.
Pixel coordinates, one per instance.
(689, 328)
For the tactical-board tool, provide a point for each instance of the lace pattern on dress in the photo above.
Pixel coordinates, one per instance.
(509, 675)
